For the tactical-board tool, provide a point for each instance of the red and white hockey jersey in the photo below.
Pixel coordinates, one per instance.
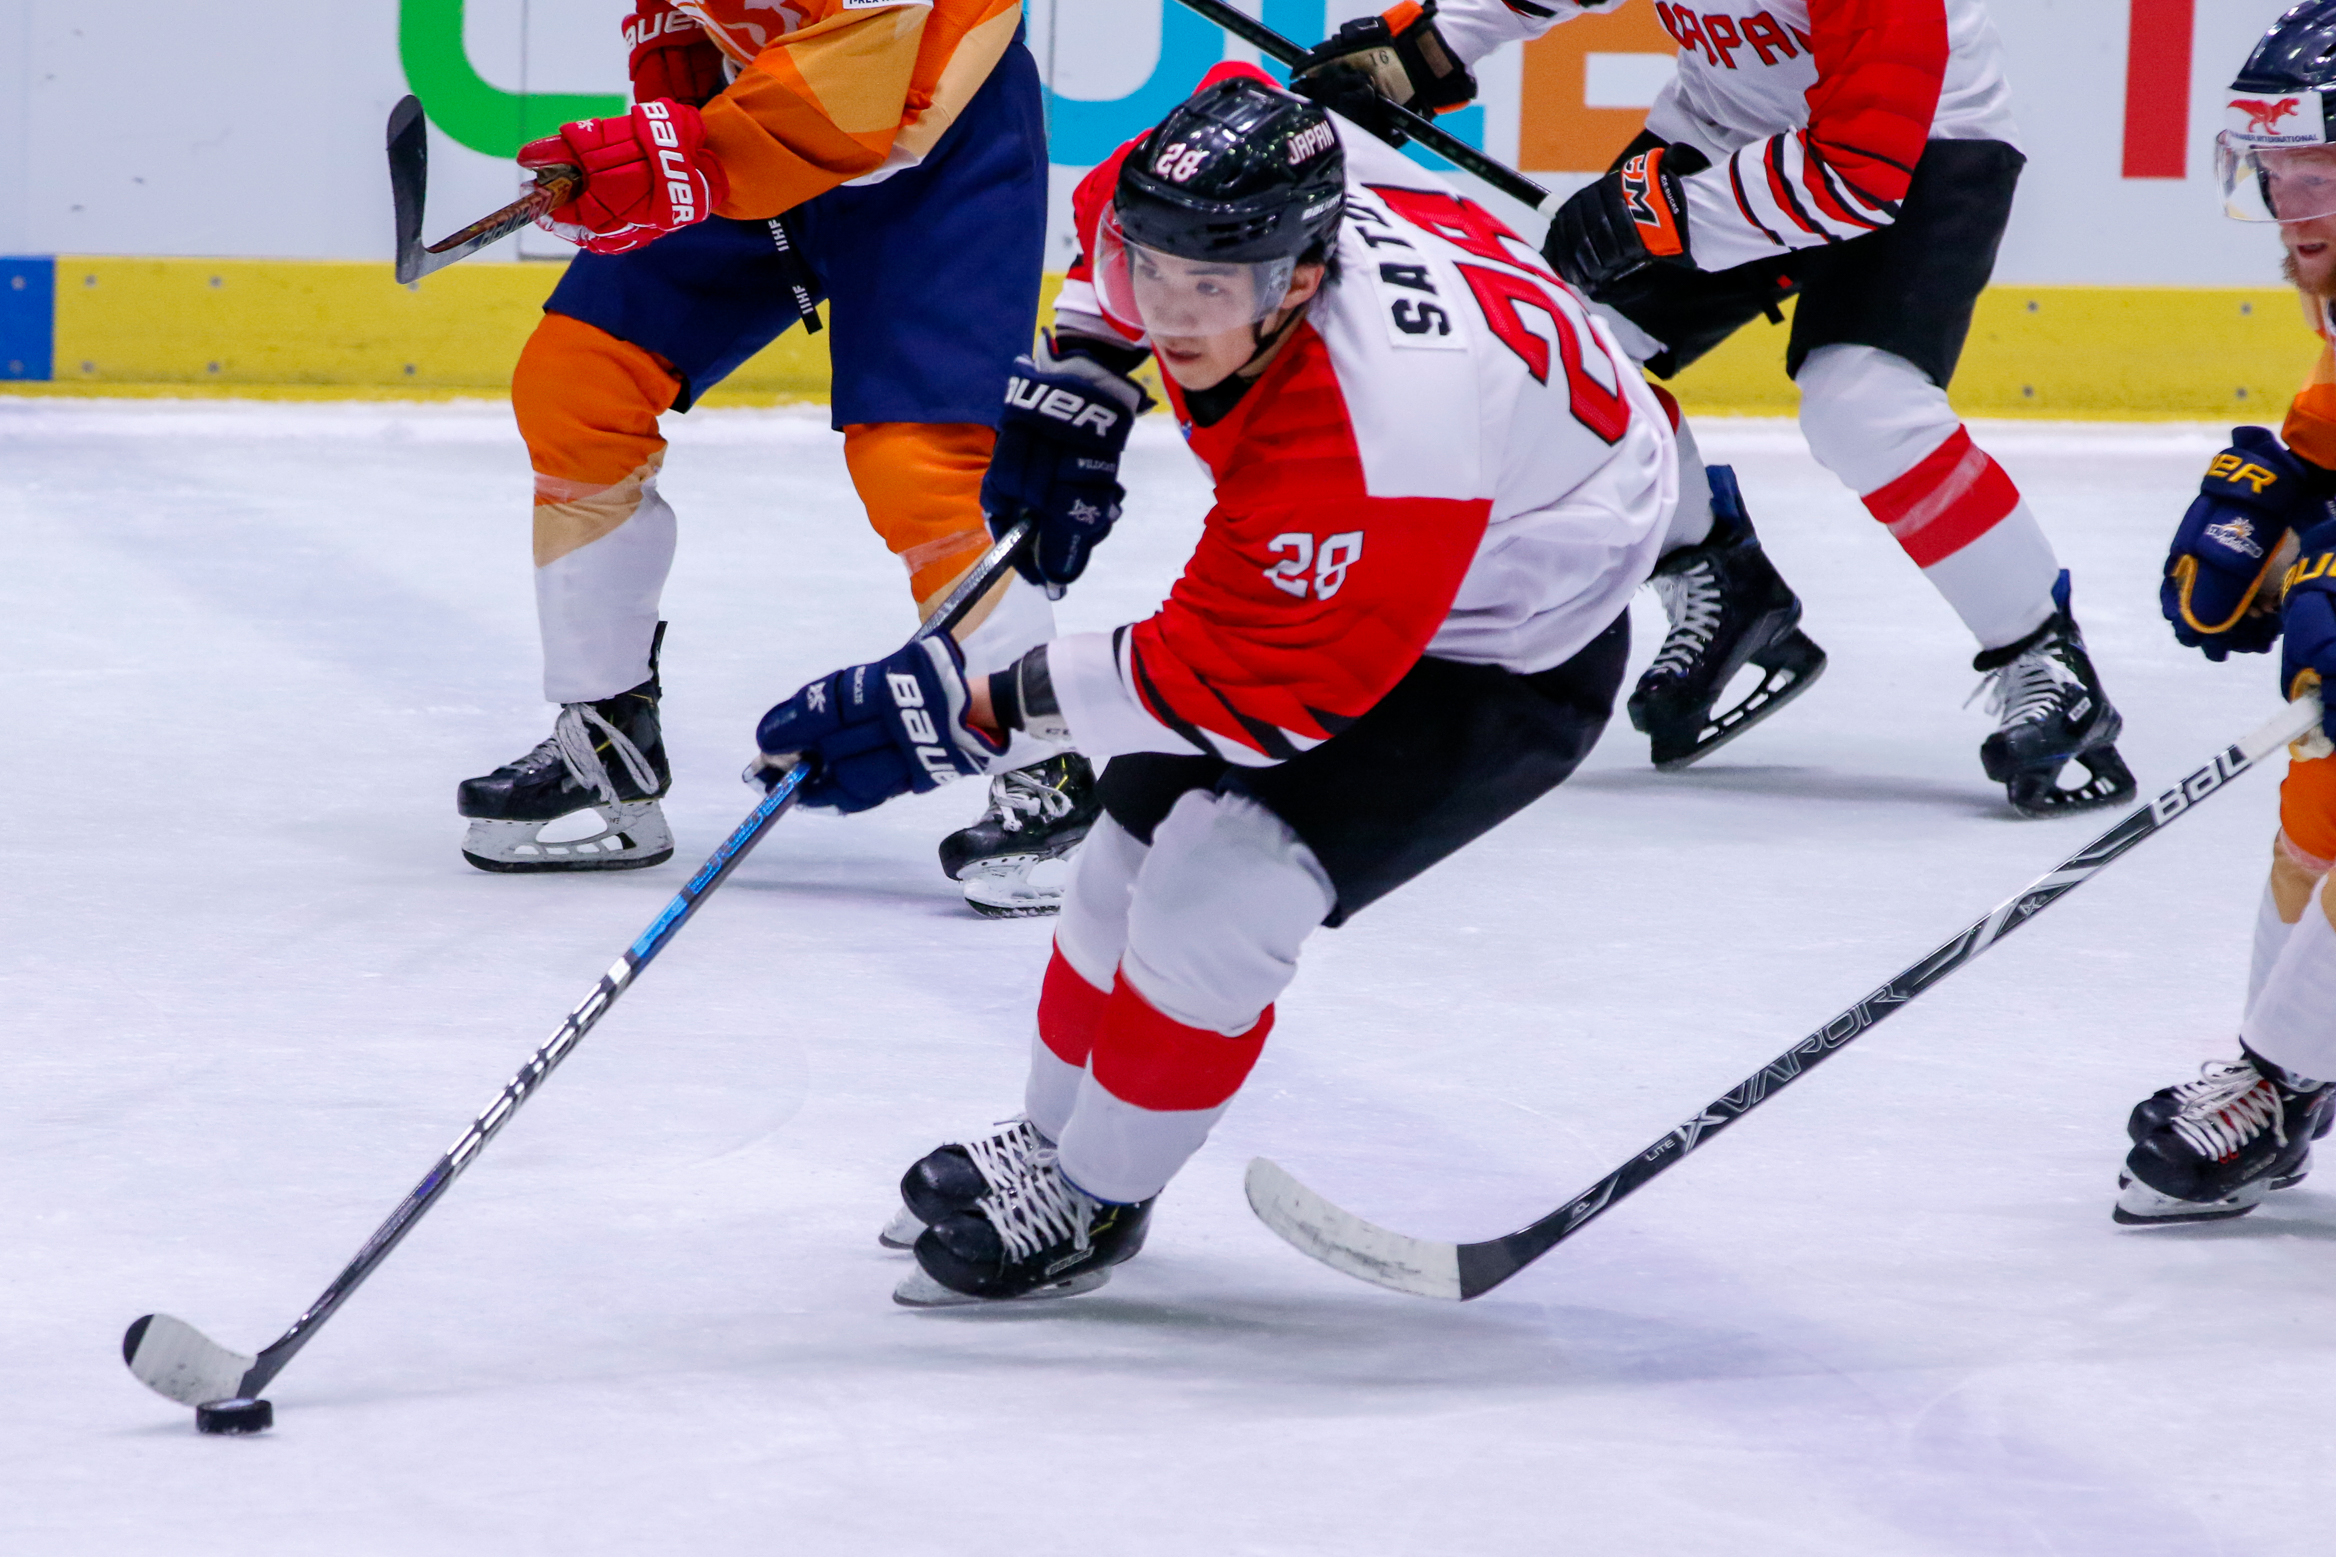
(1449, 456)
(1812, 112)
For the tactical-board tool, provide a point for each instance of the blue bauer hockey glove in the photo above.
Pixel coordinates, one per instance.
(2307, 612)
(2253, 494)
(877, 732)
(1069, 405)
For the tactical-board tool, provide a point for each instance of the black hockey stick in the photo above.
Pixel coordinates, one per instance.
(173, 1358)
(1426, 1267)
(409, 179)
(1418, 126)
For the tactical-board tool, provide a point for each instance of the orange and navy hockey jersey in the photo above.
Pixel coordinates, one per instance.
(831, 92)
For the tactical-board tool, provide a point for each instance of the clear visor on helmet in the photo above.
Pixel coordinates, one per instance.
(2275, 183)
(1168, 295)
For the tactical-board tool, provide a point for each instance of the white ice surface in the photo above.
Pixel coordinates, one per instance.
(251, 991)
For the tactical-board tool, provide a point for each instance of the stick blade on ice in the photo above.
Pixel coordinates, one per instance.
(1345, 1242)
(176, 1360)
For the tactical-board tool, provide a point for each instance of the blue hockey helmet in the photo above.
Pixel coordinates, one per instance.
(2276, 155)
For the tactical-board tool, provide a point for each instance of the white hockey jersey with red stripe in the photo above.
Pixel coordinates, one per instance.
(1812, 112)
(1449, 456)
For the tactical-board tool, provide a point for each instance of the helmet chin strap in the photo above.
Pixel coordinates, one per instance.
(1264, 343)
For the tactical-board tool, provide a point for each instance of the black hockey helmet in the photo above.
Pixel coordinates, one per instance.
(2273, 157)
(1216, 206)
(1240, 171)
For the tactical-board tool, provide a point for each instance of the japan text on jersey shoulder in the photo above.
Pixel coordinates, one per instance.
(1746, 67)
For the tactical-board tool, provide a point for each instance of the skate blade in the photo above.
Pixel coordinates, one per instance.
(1791, 665)
(918, 1290)
(633, 836)
(1016, 886)
(903, 1230)
(2138, 1205)
(2109, 783)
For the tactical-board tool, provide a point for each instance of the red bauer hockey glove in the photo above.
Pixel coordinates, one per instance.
(645, 174)
(671, 56)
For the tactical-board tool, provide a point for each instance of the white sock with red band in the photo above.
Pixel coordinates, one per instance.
(1878, 422)
(1154, 1089)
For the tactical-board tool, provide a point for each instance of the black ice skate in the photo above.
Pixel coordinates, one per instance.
(2161, 1106)
(1042, 1236)
(2051, 711)
(1013, 861)
(955, 1177)
(606, 757)
(2237, 1133)
(1728, 609)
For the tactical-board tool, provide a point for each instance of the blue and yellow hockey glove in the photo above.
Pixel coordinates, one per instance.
(2307, 614)
(2214, 592)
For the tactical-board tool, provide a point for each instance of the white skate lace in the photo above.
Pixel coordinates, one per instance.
(1007, 1155)
(1040, 1210)
(2228, 1111)
(572, 739)
(2212, 1077)
(1018, 793)
(2027, 688)
(1691, 600)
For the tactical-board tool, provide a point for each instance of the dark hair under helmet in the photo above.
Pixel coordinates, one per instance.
(1239, 172)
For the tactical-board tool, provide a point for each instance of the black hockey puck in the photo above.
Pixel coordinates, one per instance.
(234, 1416)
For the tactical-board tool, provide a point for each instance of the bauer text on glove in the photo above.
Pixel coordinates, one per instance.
(879, 731)
(646, 173)
(1069, 405)
(670, 56)
(2219, 589)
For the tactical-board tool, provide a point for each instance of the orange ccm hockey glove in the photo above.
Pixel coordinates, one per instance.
(646, 174)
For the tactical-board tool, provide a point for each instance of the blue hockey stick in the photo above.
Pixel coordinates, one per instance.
(173, 1358)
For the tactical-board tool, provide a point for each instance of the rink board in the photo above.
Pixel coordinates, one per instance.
(300, 328)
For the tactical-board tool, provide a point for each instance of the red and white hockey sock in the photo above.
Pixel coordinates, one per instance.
(2287, 1023)
(1070, 1012)
(1878, 422)
(1153, 1090)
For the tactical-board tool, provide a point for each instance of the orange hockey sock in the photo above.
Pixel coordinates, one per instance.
(921, 482)
(587, 404)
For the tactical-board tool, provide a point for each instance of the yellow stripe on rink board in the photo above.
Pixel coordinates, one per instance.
(308, 329)
(2061, 352)
(324, 329)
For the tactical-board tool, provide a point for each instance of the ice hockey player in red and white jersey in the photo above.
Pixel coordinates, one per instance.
(1438, 482)
(1860, 154)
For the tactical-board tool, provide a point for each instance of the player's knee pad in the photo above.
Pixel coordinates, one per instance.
(587, 403)
(1870, 416)
(1090, 933)
(921, 485)
(1225, 898)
